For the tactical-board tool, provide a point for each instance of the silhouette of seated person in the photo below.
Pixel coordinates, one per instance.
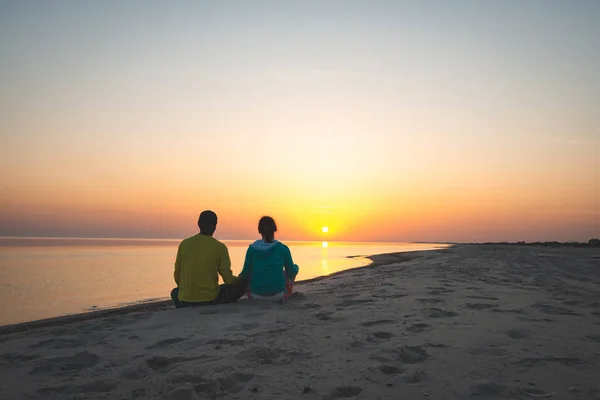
(200, 260)
(269, 268)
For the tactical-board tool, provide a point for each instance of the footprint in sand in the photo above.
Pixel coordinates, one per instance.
(381, 359)
(594, 337)
(518, 333)
(436, 345)
(412, 355)
(232, 342)
(377, 322)
(293, 355)
(242, 377)
(208, 388)
(357, 344)
(439, 313)
(160, 362)
(133, 373)
(482, 297)
(262, 355)
(572, 303)
(556, 310)
(508, 310)
(323, 316)
(534, 361)
(431, 300)
(389, 296)
(278, 331)
(92, 387)
(184, 377)
(416, 377)
(66, 365)
(480, 306)
(436, 288)
(249, 326)
(396, 295)
(60, 343)
(535, 393)
(138, 392)
(183, 392)
(235, 380)
(489, 352)
(311, 305)
(437, 291)
(347, 303)
(14, 359)
(166, 342)
(345, 392)
(230, 383)
(390, 369)
(382, 335)
(488, 389)
(418, 328)
(349, 296)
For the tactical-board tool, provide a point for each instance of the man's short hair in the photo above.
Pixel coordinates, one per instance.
(207, 222)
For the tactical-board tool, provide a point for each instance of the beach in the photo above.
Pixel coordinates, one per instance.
(470, 321)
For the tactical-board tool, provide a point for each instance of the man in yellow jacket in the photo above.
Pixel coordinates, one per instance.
(200, 260)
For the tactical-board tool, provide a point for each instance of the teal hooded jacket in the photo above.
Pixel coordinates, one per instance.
(267, 266)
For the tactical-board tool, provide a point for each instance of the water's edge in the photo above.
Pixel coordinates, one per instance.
(377, 260)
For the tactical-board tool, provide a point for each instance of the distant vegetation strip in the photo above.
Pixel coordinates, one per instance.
(589, 243)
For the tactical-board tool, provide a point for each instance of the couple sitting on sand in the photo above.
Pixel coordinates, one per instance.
(268, 272)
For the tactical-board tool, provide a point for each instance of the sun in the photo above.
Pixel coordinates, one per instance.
(325, 229)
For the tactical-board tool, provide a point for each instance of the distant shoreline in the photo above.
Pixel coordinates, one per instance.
(593, 243)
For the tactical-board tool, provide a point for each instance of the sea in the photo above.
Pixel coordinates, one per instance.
(49, 277)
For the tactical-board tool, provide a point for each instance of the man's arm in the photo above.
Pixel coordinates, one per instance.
(225, 267)
(247, 270)
(177, 266)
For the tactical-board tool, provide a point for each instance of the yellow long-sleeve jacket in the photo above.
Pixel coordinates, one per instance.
(200, 259)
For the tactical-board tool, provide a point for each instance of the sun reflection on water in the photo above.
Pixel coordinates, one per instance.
(324, 256)
(324, 266)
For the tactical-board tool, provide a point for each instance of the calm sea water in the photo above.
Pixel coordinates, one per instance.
(48, 277)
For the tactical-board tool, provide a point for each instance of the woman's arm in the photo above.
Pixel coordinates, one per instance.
(291, 269)
(247, 270)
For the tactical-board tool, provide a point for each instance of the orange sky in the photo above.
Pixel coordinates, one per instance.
(387, 122)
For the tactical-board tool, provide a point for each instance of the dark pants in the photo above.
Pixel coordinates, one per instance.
(227, 294)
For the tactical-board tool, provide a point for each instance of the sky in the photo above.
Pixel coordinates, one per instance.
(383, 120)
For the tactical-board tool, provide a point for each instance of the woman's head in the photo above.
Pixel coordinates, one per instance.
(267, 228)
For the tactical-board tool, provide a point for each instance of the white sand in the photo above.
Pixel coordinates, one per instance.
(467, 322)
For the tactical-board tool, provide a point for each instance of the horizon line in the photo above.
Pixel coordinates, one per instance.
(240, 240)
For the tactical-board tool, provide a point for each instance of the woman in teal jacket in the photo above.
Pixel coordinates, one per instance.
(269, 267)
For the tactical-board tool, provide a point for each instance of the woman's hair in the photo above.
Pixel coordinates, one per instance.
(267, 227)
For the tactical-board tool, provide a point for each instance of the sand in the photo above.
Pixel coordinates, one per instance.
(467, 322)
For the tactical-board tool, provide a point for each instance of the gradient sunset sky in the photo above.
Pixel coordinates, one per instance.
(383, 120)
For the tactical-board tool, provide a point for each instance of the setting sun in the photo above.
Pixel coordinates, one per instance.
(325, 229)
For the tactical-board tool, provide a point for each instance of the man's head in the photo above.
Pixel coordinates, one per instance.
(207, 222)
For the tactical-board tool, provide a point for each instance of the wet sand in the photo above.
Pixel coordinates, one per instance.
(466, 322)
